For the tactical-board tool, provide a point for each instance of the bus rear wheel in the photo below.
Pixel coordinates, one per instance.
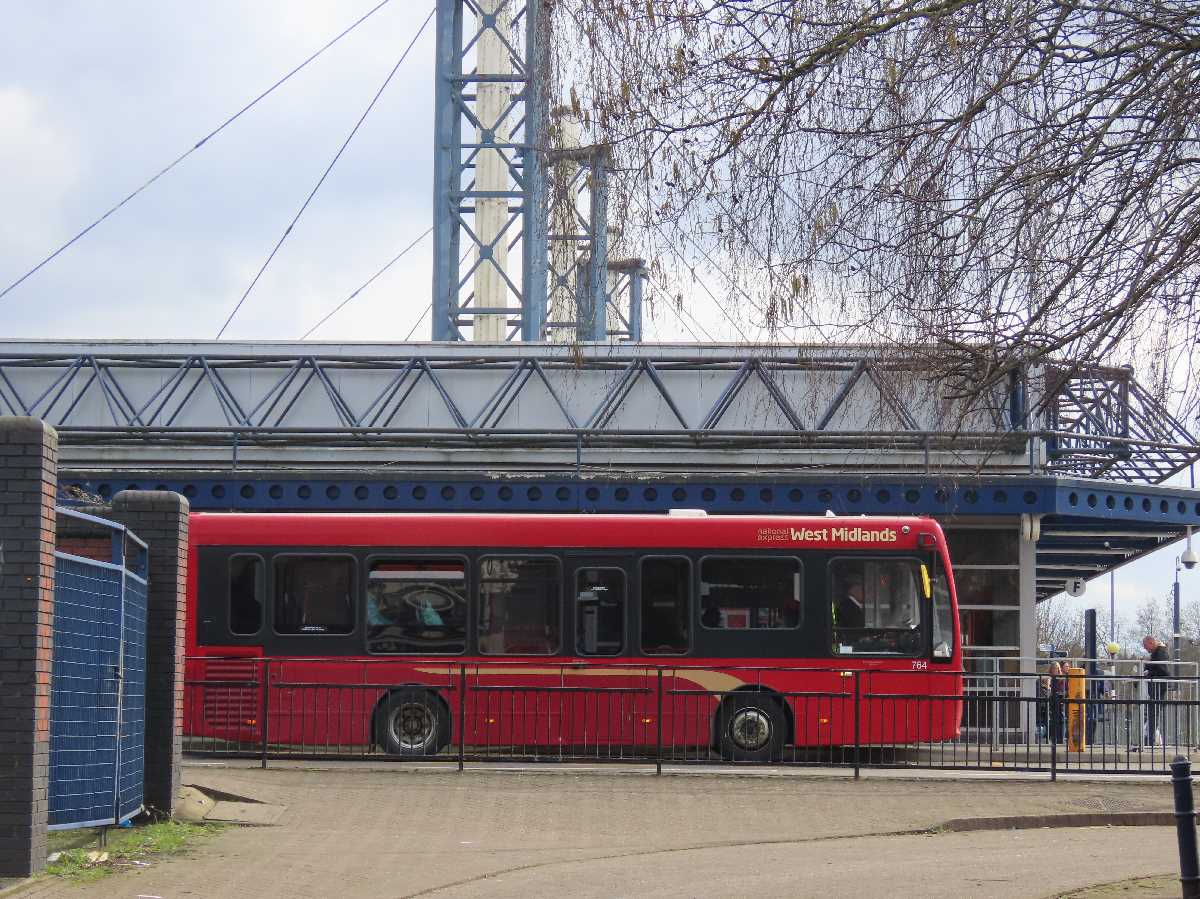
(750, 728)
(413, 723)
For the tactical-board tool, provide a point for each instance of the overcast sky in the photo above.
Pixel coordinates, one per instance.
(96, 97)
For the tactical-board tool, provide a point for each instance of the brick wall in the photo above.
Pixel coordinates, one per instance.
(161, 520)
(28, 484)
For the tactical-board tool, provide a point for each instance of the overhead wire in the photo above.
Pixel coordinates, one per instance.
(428, 306)
(196, 146)
(680, 311)
(329, 168)
(648, 215)
(417, 323)
(704, 285)
(371, 280)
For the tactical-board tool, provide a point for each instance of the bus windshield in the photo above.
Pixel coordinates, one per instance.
(876, 606)
(943, 618)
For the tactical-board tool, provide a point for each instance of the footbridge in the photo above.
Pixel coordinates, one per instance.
(1081, 470)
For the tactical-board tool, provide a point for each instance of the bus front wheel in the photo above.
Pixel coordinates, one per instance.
(750, 728)
(412, 722)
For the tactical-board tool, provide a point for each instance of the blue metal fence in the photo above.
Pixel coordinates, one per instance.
(98, 680)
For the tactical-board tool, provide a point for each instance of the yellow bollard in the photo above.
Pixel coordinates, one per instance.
(1076, 710)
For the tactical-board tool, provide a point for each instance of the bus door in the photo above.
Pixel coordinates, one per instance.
(601, 699)
(881, 611)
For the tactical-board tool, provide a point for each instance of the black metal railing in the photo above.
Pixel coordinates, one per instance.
(683, 715)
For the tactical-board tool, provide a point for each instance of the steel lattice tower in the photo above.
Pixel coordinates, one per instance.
(492, 246)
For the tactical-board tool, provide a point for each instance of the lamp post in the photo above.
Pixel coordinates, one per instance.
(1175, 617)
(1186, 559)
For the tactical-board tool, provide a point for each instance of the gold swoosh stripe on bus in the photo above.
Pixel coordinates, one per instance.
(712, 681)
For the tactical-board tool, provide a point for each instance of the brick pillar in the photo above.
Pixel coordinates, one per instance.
(161, 520)
(28, 485)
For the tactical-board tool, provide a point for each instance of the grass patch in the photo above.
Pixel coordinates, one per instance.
(83, 860)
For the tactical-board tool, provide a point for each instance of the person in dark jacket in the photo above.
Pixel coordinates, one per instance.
(1157, 671)
(1058, 686)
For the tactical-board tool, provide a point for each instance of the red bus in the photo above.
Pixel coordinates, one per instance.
(760, 625)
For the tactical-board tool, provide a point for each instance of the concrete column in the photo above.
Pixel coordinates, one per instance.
(28, 486)
(160, 519)
(1027, 555)
(564, 252)
(491, 170)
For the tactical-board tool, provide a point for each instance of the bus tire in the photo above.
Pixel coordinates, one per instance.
(412, 723)
(751, 728)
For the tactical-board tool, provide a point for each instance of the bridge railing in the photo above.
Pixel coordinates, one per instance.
(815, 401)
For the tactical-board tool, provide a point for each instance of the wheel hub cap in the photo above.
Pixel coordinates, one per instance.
(412, 725)
(750, 729)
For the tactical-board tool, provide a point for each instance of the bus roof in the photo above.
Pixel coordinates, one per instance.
(417, 529)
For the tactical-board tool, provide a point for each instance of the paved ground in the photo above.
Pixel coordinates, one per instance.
(350, 832)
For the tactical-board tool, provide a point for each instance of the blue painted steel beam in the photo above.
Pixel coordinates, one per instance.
(847, 496)
(636, 282)
(447, 136)
(1119, 502)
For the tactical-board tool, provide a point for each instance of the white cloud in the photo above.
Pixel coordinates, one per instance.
(95, 99)
(39, 169)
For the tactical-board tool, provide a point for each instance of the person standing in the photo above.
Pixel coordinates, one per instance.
(1157, 671)
(1057, 710)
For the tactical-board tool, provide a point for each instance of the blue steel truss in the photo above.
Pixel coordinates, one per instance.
(1101, 416)
(605, 295)
(820, 409)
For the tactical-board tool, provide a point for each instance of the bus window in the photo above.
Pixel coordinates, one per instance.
(749, 593)
(666, 591)
(312, 595)
(943, 619)
(519, 606)
(600, 611)
(417, 605)
(245, 594)
(876, 606)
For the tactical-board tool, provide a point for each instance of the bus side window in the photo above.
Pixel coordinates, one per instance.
(519, 600)
(417, 606)
(245, 594)
(313, 595)
(666, 603)
(750, 593)
(600, 611)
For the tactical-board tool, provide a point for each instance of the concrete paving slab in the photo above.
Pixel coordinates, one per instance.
(250, 813)
(355, 832)
(999, 865)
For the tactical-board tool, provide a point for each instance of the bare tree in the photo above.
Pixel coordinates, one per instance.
(1061, 624)
(1153, 618)
(1002, 180)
